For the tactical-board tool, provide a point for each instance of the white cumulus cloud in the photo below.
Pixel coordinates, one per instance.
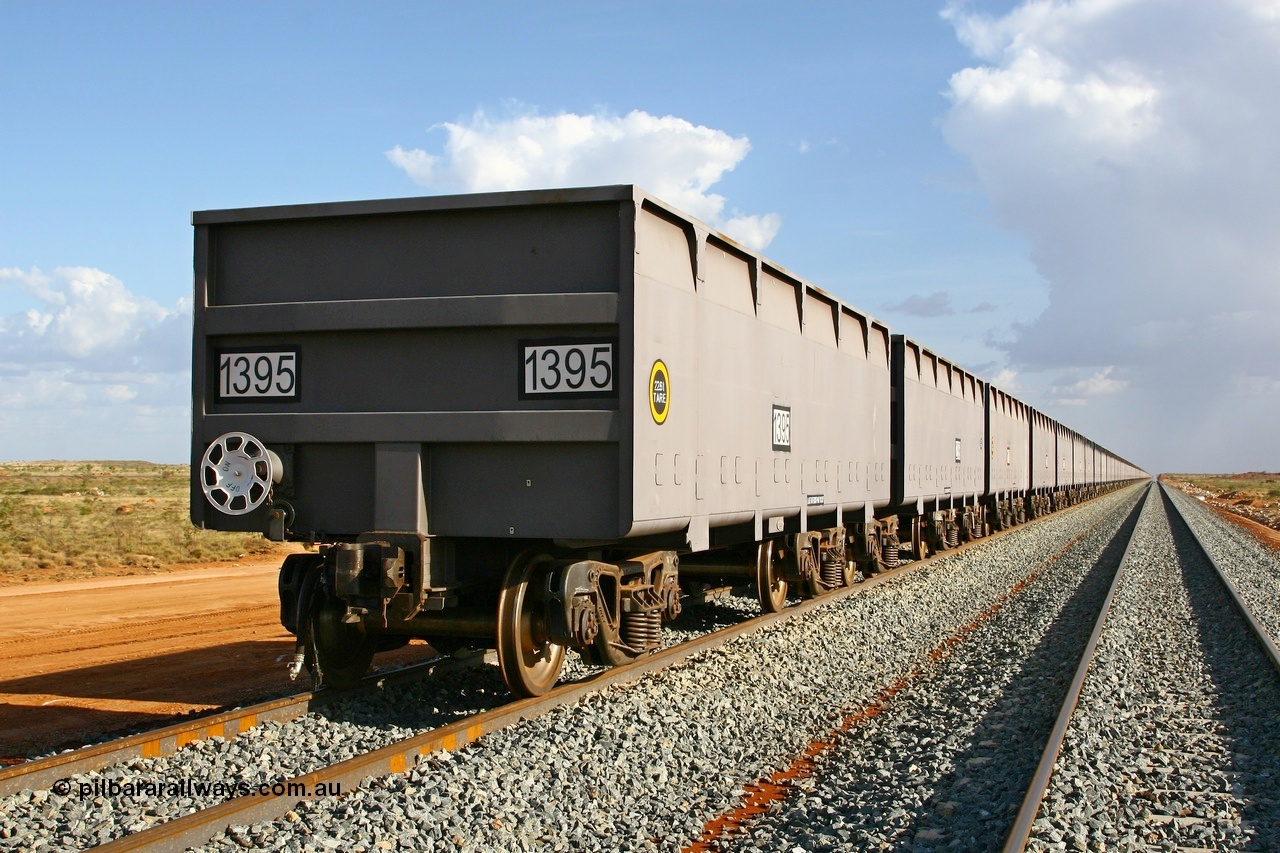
(1132, 142)
(1006, 380)
(82, 312)
(1078, 392)
(673, 158)
(86, 340)
(120, 393)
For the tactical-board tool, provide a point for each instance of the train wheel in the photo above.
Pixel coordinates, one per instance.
(770, 586)
(342, 652)
(529, 661)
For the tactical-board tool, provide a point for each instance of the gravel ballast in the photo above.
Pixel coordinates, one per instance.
(1175, 741)
(275, 751)
(946, 765)
(638, 767)
(1254, 568)
(647, 765)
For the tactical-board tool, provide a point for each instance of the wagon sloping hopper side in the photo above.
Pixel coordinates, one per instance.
(938, 438)
(511, 417)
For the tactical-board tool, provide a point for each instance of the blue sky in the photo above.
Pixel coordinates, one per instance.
(1075, 199)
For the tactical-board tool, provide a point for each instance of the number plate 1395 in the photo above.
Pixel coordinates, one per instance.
(258, 375)
(580, 368)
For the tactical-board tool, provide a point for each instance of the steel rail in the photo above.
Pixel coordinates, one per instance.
(1021, 831)
(1016, 841)
(200, 826)
(40, 773)
(44, 772)
(1264, 639)
(757, 796)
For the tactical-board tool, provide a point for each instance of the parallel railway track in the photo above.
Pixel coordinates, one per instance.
(277, 799)
(1263, 654)
(765, 793)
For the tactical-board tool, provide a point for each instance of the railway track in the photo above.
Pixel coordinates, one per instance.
(923, 764)
(274, 799)
(43, 772)
(1195, 764)
(281, 794)
(280, 798)
(1172, 744)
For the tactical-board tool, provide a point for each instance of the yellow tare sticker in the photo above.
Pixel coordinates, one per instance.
(659, 392)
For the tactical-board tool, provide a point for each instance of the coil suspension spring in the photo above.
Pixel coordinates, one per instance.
(953, 535)
(889, 551)
(832, 571)
(641, 630)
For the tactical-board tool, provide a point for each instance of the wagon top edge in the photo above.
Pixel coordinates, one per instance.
(418, 204)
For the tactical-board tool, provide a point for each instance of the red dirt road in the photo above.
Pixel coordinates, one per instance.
(1266, 535)
(87, 658)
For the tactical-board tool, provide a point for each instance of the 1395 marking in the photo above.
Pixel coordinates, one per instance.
(580, 367)
(782, 428)
(258, 375)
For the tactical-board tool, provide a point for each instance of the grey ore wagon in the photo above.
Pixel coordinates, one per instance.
(520, 419)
